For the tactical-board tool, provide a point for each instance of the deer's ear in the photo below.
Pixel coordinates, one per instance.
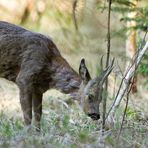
(83, 71)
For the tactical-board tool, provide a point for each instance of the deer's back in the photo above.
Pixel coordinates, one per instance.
(18, 45)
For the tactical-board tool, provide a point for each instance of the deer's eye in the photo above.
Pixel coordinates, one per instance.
(90, 98)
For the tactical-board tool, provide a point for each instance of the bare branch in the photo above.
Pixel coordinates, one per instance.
(127, 100)
(74, 14)
(126, 80)
(107, 62)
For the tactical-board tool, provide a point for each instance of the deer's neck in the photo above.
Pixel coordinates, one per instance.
(64, 78)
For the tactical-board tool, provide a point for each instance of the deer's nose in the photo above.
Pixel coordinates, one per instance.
(94, 116)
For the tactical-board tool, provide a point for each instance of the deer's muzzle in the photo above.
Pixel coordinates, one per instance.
(94, 116)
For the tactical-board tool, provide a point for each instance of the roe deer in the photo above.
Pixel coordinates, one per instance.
(33, 61)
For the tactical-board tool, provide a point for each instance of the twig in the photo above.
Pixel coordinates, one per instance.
(115, 103)
(125, 81)
(107, 63)
(74, 14)
(108, 33)
(144, 38)
(127, 100)
(115, 98)
(102, 77)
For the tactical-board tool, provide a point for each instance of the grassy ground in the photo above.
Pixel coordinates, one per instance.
(65, 125)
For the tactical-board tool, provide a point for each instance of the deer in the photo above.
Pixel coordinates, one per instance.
(34, 63)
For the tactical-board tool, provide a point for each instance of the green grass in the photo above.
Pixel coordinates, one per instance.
(64, 125)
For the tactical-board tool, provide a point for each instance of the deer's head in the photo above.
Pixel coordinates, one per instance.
(91, 89)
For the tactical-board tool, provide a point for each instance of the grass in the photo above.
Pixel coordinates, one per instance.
(64, 125)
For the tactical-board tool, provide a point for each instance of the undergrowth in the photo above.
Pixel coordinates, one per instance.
(64, 125)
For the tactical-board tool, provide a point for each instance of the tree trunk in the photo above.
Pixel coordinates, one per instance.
(40, 9)
(131, 41)
(27, 11)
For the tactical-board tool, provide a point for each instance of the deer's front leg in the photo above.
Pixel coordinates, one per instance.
(26, 105)
(37, 107)
(25, 87)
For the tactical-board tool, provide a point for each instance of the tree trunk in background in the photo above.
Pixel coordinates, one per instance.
(131, 40)
(40, 9)
(27, 11)
(37, 7)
